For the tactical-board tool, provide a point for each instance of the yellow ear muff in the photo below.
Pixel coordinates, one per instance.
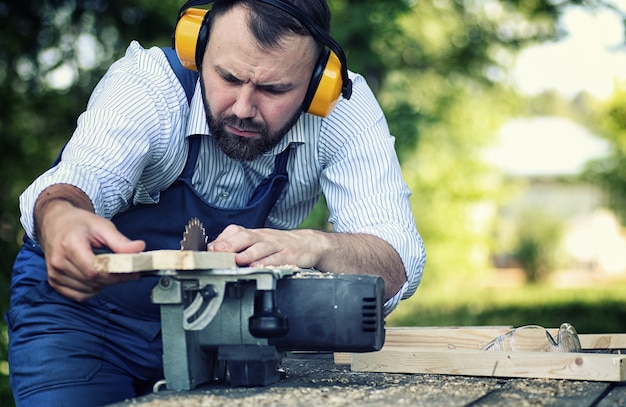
(186, 36)
(329, 88)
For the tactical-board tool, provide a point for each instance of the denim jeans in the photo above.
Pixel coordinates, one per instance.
(66, 353)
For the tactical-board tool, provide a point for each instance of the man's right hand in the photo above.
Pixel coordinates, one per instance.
(68, 235)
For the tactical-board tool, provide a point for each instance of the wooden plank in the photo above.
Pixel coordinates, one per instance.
(457, 351)
(549, 365)
(191, 260)
(477, 337)
(122, 263)
(602, 341)
(436, 338)
(444, 337)
(342, 358)
(162, 260)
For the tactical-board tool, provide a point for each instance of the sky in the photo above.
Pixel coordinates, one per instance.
(544, 146)
(591, 58)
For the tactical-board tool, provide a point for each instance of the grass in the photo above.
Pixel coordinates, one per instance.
(597, 308)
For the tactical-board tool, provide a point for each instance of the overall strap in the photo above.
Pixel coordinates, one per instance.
(188, 80)
(186, 77)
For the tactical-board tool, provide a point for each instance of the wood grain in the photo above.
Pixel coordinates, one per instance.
(457, 351)
(162, 260)
(549, 365)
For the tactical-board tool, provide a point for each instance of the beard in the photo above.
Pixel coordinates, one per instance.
(244, 148)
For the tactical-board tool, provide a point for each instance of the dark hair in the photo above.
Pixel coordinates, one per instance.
(269, 23)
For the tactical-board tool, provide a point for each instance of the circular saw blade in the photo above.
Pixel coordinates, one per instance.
(194, 236)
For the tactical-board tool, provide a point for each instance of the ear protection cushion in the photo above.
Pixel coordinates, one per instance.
(328, 81)
(325, 85)
(190, 37)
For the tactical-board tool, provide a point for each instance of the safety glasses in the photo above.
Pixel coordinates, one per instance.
(535, 338)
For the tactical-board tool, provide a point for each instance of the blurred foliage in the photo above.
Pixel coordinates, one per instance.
(610, 172)
(537, 247)
(596, 308)
(582, 109)
(438, 67)
(42, 42)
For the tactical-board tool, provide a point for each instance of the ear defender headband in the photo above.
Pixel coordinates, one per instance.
(330, 74)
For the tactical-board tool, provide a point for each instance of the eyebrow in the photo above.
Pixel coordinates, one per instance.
(276, 87)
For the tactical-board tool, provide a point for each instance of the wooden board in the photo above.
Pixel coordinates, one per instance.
(477, 337)
(162, 260)
(442, 338)
(603, 341)
(456, 351)
(445, 337)
(548, 365)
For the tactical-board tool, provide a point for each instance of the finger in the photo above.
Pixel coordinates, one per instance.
(74, 283)
(276, 258)
(72, 287)
(260, 253)
(70, 271)
(106, 234)
(126, 245)
(232, 239)
(231, 230)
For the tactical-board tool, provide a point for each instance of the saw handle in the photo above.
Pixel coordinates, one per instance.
(267, 321)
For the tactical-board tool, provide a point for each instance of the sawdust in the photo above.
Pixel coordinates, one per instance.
(315, 380)
(321, 382)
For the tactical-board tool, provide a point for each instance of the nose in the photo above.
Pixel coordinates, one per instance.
(245, 106)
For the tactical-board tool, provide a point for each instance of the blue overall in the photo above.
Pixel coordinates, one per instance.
(65, 353)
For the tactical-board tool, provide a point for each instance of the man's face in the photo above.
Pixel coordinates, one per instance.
(252, 97)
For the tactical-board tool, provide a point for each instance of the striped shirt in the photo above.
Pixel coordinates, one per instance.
(131, 143)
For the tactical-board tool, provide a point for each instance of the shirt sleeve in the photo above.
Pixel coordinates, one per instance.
(124, 136)
(363, 183)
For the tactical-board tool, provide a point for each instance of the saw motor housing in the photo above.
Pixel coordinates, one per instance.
(237, 324)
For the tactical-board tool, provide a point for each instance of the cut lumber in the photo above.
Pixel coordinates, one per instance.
(476, 337)
(457, 351)
(602, 341)
(162, 260)
(445, 337)
(442, 338)
(548, 365)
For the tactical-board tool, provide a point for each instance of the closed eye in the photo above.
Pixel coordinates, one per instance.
(274, 89)
(231, 79)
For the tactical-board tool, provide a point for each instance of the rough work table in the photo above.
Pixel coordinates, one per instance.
(315, 380)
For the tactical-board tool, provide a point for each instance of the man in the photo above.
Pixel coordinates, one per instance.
(242, 154)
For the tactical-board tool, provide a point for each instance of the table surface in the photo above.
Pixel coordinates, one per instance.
(314, 379)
